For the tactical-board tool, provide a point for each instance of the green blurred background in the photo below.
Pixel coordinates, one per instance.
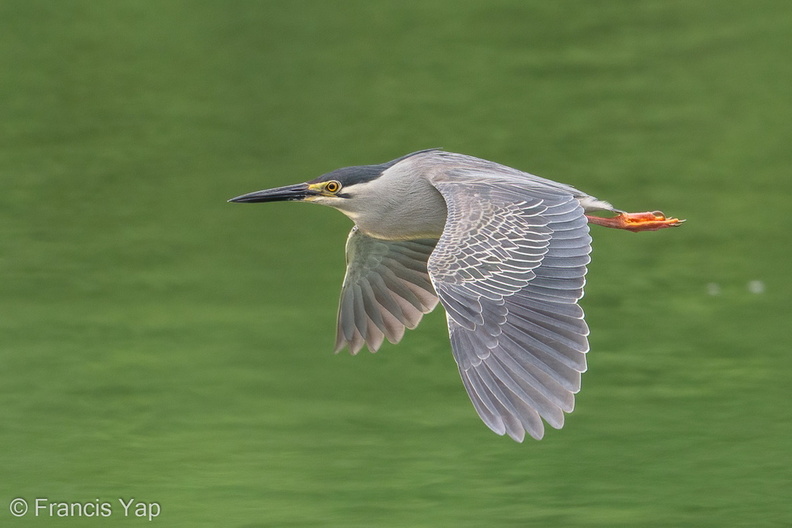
(159, 343)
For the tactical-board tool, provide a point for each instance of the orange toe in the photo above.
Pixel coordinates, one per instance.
(648, 221)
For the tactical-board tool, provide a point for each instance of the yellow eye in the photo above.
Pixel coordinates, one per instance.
(332, 186)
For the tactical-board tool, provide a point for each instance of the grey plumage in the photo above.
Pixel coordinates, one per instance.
(386, 289)
(504, 252)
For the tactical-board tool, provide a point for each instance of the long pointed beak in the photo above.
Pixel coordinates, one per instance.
(292, 193)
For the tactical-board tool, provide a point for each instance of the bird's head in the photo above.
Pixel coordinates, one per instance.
(342, 188)
(334, 188)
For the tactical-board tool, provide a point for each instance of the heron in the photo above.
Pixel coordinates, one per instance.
(505, 253)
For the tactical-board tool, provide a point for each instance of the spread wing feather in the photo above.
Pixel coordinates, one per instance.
(509, 269)
(386, 289)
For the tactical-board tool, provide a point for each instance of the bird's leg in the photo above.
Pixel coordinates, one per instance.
(648, 221)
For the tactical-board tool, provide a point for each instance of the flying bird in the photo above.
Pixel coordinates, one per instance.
(504, 252)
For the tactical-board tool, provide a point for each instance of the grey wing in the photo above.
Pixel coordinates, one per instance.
(386, 289)
(509, 270)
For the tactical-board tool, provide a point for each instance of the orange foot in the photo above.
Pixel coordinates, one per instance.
(650, 221)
